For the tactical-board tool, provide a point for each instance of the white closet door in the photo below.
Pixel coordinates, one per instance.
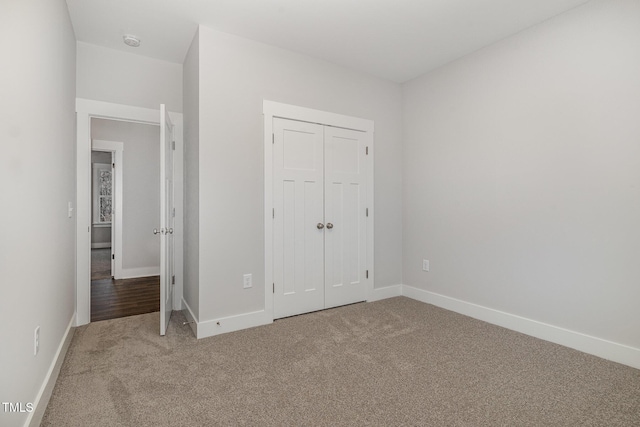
(345, 216)
(298, 247)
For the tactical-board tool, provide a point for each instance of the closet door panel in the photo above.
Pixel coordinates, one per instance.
(298, 209)
(345, 199)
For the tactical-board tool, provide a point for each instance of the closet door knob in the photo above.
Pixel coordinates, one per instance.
(329, 225)
(320, 226)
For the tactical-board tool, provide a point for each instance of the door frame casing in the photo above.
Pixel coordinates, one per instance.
(271, 110)
(87, 109)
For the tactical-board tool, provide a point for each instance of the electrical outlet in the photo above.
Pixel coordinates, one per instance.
(36, 341)
(246, 281)
(425, 265)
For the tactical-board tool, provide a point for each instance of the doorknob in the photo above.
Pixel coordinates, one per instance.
(155, 231)
(320, 226)
(329, 225)
(171, 231)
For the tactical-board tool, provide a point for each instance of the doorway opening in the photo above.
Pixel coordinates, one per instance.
(169, 230)
(125, 205)
(102, 213)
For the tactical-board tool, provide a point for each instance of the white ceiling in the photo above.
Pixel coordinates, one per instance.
(393, 39)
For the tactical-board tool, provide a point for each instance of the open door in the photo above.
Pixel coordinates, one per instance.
(167, 278)
(113, 214)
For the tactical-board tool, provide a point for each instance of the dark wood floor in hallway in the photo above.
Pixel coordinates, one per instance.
(112, 298)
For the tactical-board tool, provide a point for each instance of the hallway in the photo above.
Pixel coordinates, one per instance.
(112, 298)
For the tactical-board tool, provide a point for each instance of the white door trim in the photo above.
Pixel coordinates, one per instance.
(117, 148)
(87, 109)
(272, 109)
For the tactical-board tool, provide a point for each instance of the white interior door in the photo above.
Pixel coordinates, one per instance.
(113, 214)
(345, 216)
(319, 218)
(298, 217)
(166, 220)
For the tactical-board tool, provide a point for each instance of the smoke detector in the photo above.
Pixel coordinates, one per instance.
(132, 41)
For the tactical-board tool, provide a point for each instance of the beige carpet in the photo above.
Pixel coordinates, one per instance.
(389, 363)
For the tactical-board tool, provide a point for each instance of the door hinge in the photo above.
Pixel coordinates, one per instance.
(173, 279)
(367, 212)
(367, 274)
(174, 212)
(273, 213)
(367, 151)
(273, 138)
(274, 288)
(113, 165)
(113, 256)
(173, 145)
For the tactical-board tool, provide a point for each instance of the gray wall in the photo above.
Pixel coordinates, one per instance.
(141, 195)
(101, 235)
(123, 78)
(191, 119)
(37, 167)
(522, 174)
(236, 75)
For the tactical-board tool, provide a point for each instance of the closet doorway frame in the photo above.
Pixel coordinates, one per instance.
(271, 110)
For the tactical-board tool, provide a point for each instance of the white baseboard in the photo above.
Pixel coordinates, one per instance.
(132, 273)
(44, 394)
(102, 245)
(383, 293)
(191, 318)
(209, 328)
(620, 353)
